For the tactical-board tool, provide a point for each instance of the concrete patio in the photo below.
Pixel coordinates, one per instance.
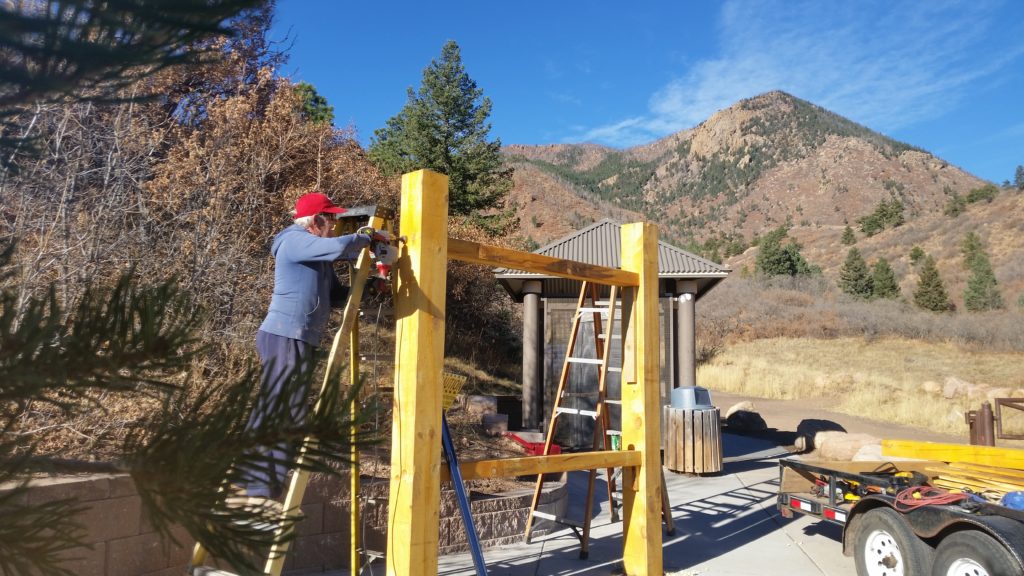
(726, 525)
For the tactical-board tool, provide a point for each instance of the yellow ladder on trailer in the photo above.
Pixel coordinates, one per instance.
(347, 335)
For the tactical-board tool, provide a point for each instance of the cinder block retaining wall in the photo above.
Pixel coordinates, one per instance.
(125, 544)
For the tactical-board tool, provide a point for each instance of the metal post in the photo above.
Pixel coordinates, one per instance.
(686, 317)
(533, 355)
(986, 425)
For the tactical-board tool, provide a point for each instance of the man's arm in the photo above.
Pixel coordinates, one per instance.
(310, 248)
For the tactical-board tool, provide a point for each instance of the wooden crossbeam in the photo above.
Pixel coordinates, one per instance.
(988, 455)
(477, 253)
(532, 465)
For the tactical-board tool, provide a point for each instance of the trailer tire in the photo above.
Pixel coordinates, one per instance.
(970, 552)
(886, 546)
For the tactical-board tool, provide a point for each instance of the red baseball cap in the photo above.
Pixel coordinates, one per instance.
(315, 203)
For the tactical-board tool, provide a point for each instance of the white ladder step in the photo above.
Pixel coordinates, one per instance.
(207, 571)
(559, 519)
(587, 309)
(614, 336)
(561, 410)
(580, 394)
(615, 369)
(584, 360)
(610, 401)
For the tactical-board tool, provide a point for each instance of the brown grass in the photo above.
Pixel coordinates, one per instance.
(879, 379)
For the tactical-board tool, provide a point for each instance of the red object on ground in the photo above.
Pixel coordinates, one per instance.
(534, 448)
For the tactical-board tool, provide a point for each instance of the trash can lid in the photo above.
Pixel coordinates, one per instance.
(691, 398)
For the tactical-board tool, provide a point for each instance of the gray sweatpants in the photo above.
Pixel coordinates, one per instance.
(281, 357)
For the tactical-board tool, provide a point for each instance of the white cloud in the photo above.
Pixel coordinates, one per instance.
(881, 64)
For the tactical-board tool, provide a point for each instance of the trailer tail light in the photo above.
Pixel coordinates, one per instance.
(803, 505)
(833, 514)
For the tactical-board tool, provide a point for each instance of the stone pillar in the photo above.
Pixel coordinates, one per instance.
(686, 329)
(533, 355)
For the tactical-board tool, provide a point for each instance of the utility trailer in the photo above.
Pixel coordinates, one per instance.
(887, 537)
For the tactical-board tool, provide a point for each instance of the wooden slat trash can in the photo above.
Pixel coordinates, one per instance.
(693, 440)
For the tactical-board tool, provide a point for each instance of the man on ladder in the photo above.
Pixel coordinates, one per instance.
(305, 289)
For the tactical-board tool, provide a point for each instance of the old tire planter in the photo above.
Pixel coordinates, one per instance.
(972, 553)
(886, 546)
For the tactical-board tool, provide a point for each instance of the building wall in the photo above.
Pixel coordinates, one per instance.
(577, 431)
(123, 543)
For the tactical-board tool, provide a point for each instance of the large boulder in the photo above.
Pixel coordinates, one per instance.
(955, 387)
(745, 421)
(480, 405)
(835, 445)
(809, 428)
(745, 406)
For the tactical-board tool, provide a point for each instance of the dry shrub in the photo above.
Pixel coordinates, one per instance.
(133, 185)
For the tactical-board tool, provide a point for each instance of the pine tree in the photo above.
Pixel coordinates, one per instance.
(883, 280)
(444, 127)
(971, 248)
(774, 259)
(854, 278)
(931, 292)
(982, 292)
(1018, 178)
(314, 106)
(849, 239)
(916, 255)
(88, 51)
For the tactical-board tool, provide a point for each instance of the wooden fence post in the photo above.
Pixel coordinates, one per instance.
(415, 497)
(641, 427)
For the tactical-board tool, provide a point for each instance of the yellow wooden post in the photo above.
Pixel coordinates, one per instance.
(416, 427)
(355, 559)
(641, 486)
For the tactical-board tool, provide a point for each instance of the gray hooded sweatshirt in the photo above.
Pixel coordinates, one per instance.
(305, 286)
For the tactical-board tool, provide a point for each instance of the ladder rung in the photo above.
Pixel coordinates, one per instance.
(615, 369)
(207, 571)
(609, 401)
(613, 432)
(614, 336)
(585, 360)
(590, 413)
(580, 394)
(558, 519)
(585, 310)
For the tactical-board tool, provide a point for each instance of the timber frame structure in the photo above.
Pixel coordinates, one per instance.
(416, 474)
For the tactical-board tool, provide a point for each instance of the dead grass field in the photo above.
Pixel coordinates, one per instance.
(882, 379)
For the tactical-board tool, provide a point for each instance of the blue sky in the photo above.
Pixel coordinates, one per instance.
(947, 76)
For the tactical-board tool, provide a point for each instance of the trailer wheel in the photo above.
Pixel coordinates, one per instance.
(972, 553)
(886, 546)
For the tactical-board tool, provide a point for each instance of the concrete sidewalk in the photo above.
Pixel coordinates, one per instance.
(726, 525)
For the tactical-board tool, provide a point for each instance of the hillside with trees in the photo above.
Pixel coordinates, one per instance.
(774, 160)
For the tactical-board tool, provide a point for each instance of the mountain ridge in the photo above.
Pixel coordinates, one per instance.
(769, 161)
(748, 168)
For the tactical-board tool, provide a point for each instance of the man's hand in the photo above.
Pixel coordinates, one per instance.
(375, 235)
